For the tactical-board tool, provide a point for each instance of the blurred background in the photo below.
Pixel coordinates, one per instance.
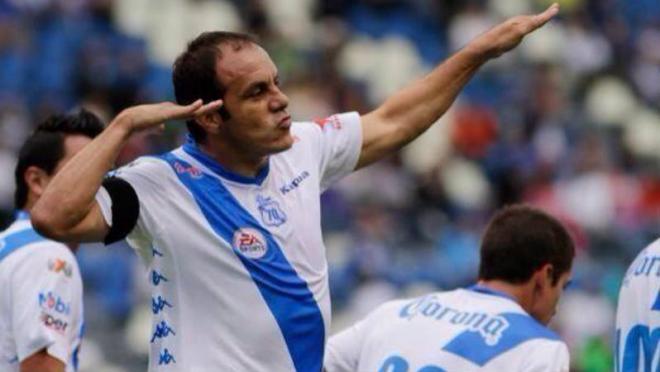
(569, 121)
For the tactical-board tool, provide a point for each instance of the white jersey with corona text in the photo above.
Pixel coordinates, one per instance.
(638, 314)
(465, 330)
(40, 298)
(237, 265)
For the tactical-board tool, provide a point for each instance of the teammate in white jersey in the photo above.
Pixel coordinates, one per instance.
(496, 325)
(229, 224)
(638, 314)
(41, 314)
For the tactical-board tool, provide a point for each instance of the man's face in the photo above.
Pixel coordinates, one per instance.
(38, 179)
(547, 298)
(258, 124)
(73, 143)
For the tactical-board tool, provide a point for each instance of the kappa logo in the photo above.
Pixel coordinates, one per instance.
(271, 213)
(294, 183)
(333, 121)
(60, 266)
(250, 243)
(193, 171)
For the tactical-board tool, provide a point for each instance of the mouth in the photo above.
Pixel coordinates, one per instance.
(285, 123)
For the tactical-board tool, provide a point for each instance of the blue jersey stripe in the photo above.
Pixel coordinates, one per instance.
(506, 331)
(286, 294)
(17, 240)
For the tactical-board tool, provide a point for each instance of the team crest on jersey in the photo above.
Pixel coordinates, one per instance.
(270, 211)
(250, 243)
(193, 171)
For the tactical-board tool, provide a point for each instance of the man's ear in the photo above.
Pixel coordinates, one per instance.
(36, 179)
(543, 276)
(211, 122)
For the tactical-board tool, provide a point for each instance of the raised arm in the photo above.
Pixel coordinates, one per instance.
(67, 210)
(411, 111)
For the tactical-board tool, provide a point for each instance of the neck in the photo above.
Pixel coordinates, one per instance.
(233, 159)
(521, 293)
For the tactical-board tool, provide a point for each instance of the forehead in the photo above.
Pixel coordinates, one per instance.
(240, 67)
(74, 143)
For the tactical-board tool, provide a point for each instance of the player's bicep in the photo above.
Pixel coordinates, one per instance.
(380, 137)
(43, 362)
(92, 228)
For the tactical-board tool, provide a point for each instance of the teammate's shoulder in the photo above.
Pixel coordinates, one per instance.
(39, 251)
(653, 248)
(145, 168)
(143, 163)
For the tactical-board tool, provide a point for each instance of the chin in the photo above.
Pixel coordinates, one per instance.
(282, 145)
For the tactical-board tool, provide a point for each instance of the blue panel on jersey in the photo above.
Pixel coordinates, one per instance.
(472, 346)
(286, 294)
(641, 339)
(656, 304)
(17, 240)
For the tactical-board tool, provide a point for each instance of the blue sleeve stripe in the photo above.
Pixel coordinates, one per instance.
(17, 240)
(286, 294)
(511, 330)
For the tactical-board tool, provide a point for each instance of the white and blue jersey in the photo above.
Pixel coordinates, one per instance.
(40, 298)
(475, 329)
(237, 265)
(638, 314)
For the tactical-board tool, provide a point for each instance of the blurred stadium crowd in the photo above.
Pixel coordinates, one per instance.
(570, 122)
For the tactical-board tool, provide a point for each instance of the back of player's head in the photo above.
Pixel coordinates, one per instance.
(519, 240)
(44, 148)
(194, 74)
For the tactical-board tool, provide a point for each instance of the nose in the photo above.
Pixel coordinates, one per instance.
(279, 101)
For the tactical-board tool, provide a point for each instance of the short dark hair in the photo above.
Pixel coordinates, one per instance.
(521, 239)
(44, 148)
(194, 75)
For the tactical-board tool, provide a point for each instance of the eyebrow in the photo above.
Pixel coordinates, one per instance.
(245, 92)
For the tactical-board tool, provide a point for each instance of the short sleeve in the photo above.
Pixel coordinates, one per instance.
(144, 176)
(46, 303)
(340, 146)
(343, 350)
(547, 356)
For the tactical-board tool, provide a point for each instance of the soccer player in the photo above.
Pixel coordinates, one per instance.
(228, 225)
(638, 314)
(41, 314)
(496, 325)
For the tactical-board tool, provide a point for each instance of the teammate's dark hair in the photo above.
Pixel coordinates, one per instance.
(194, 74)
(519, 240)
(44, 148)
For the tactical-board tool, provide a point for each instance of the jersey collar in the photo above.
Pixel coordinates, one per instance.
(21, 215)
(191, 148)
(489, 291)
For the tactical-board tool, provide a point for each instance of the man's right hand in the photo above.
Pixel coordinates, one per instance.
(142, 117)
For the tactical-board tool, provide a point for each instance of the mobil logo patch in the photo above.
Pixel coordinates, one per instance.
(250, 243)
(52, 302)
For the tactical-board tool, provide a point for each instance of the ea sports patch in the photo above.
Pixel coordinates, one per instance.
(250, 243)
